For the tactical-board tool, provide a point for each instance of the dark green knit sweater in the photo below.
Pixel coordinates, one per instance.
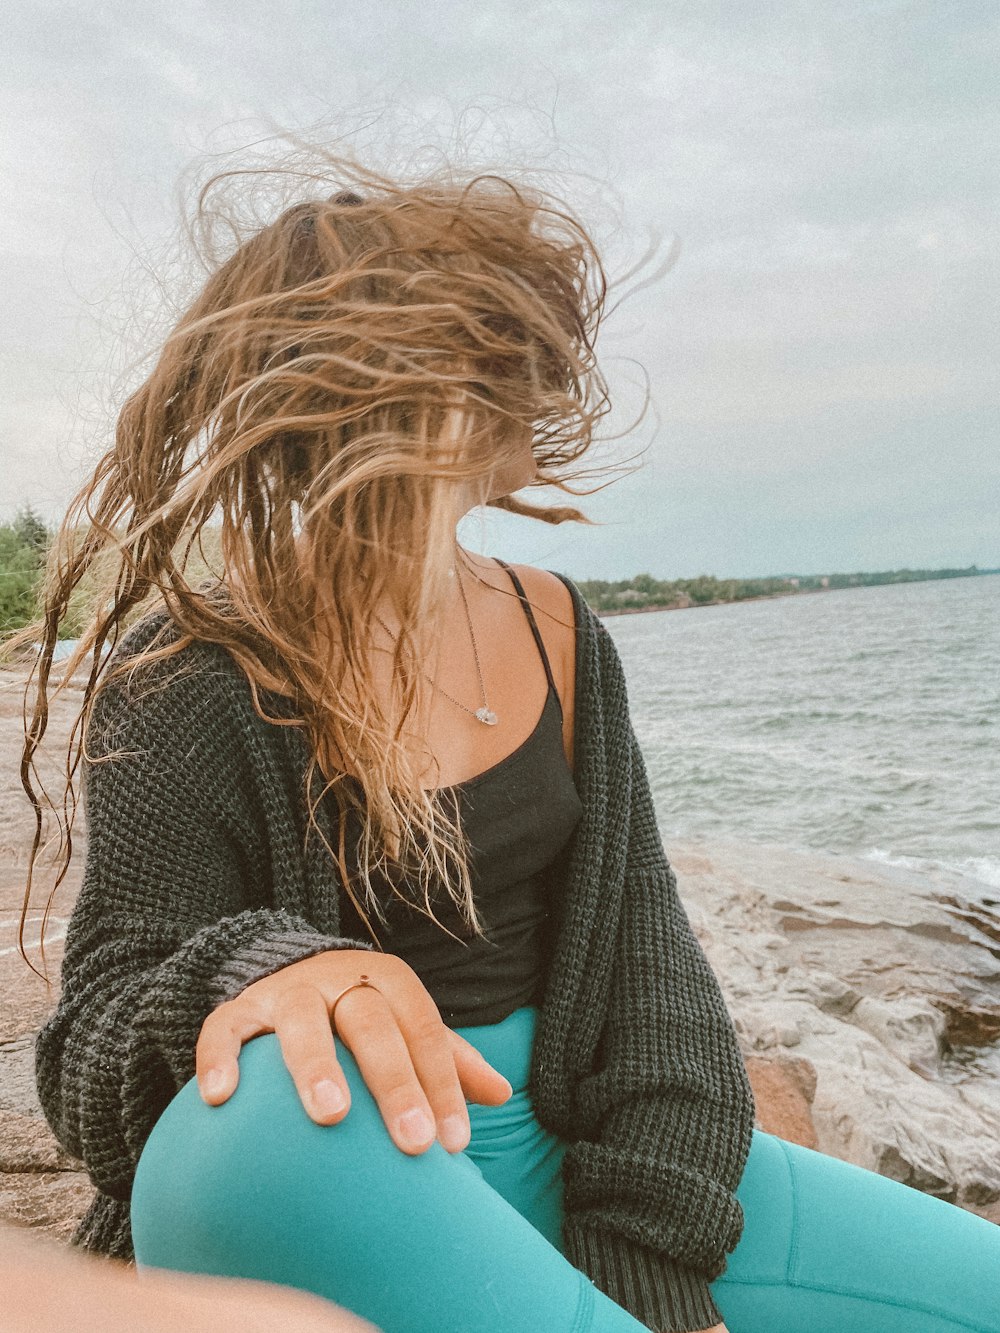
(196, 883)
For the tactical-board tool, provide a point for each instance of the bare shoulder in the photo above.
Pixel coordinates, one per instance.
(555, 615)
(550, 595)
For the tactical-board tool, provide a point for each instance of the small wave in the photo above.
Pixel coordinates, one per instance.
(985, 869)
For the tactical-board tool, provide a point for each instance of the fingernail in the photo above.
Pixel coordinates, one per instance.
(415, 1127)
(454, 1133)
(329, 1097)
(214, 1083)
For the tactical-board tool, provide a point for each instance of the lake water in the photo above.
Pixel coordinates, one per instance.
(863, 720)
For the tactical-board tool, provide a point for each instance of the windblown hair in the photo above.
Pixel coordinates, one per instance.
(346, 368)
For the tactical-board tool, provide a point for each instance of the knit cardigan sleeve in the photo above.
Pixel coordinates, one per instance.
(650, 1199)
(168, 923)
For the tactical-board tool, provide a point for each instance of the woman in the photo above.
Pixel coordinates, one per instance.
(457, 1061)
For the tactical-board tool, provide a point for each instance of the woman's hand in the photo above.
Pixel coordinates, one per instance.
(420, 1071)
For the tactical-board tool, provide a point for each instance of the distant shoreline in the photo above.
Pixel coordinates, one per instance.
(722, 601)
(691, 605)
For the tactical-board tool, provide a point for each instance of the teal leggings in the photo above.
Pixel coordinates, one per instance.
(470, 1242)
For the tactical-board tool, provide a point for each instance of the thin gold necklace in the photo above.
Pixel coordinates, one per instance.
(485, 713)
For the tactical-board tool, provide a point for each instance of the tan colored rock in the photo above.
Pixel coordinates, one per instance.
(51, 1202)
(784, 1090)
(27, 1144)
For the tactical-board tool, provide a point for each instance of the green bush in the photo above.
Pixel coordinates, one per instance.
(23, 545)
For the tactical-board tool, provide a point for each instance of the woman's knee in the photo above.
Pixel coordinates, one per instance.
(220, 1175)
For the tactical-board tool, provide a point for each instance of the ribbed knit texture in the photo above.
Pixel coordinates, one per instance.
(196, 884)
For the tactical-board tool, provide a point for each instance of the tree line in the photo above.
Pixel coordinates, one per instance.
(644, 593)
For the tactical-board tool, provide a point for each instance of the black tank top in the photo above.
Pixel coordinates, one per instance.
(518, 816)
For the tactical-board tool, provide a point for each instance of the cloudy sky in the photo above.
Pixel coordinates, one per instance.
(821, 355)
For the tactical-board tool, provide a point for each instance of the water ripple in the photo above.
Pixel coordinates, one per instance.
(864, 721)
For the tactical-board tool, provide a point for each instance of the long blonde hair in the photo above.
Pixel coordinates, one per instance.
(316, 380)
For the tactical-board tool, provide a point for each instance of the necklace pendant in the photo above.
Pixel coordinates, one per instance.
(485, 715)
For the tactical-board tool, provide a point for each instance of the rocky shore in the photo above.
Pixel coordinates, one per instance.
(867, 1007)
(867, 1004)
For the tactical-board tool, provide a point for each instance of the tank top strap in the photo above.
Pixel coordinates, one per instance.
(531, 621)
